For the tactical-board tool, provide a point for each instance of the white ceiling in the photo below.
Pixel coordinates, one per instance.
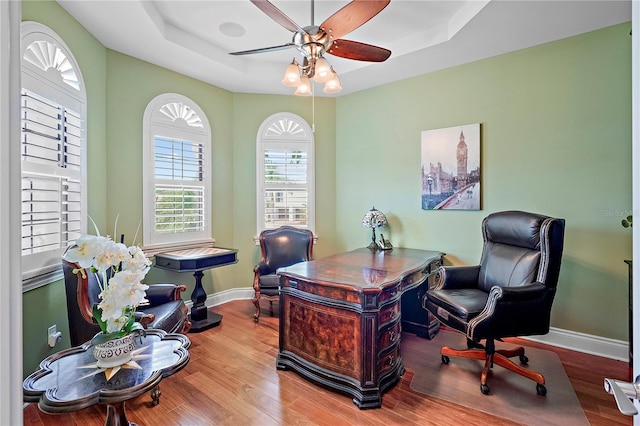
(195, 37)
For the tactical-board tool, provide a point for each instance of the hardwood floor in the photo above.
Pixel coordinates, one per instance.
(231, 379)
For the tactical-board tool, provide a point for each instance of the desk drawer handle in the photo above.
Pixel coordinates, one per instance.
(392, 314)
(391, 360)
(293, 284)
(392, 335)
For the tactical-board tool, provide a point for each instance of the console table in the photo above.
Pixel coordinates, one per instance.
(196, 261)
(70, 380)
(340, 318)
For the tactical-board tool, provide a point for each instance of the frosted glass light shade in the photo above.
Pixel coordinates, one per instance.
(292, 75)
(323, 72)
(333, 85)
(304, 88)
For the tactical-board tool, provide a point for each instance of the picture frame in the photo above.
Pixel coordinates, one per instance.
(450, 168)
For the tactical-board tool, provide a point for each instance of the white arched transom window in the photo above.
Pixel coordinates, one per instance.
(53, 152)
(285, 173)
(177, 174)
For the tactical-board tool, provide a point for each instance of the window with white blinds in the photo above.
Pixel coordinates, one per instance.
(52, 153)
(177, 171)
(285, 174)
(286, 199)
(180, 202)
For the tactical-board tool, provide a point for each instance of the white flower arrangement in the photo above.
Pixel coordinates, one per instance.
(120, 270)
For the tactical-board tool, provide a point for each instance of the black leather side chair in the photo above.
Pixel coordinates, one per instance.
(508, 294)
(279, 247)
(165, 311)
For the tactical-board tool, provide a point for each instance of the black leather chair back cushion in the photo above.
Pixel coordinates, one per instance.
(80, 330)
(285, 247)
(511, 253)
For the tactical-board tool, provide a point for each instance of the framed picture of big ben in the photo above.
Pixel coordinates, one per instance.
(450, 168)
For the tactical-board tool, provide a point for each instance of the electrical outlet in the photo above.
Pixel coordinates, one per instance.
(53, 336)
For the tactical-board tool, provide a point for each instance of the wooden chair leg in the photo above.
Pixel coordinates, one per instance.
(256, 302)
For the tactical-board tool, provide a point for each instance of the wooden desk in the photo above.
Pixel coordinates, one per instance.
(70, 380)
(340, 318)
(196, 261)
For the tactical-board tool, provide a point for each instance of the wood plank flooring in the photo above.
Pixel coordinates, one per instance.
(231, 379)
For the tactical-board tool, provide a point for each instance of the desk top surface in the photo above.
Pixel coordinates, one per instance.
(70, 380)
(363, 267)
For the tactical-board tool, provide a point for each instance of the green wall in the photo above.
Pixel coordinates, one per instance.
(556, 132)
(555, 139)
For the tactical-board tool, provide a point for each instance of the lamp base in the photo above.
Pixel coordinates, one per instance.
(373, 246)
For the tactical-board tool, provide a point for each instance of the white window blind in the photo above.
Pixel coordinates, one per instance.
(177, 175)
(285, 172)
(51, 185)
(285, 195)
(53, 153)
(179, 205)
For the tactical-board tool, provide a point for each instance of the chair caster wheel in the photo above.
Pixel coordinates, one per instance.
(484, 388)
(445, 359)
(524, 359)
(541, 389)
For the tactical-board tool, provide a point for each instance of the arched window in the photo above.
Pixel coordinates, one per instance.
(285, 173)
(53, 148)
(177, 174)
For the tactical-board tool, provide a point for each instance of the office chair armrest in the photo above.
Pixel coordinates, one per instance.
(513, 311)
(527, 293)
(457, 277)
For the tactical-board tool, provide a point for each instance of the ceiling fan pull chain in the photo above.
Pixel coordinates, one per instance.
(313, 107)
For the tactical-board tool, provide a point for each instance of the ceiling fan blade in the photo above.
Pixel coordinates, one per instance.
(358, 51)
(277, 15)
(263, 49)
(352, 16)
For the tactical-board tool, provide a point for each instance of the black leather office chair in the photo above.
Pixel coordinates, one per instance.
(279, 247)
(508, 295)
(165, 311)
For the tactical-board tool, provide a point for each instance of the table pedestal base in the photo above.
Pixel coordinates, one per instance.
(211, 320)
(116, 415)
(201, 318)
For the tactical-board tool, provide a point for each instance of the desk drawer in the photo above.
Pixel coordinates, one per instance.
(389, 313)
(389, 337)
(389, 360)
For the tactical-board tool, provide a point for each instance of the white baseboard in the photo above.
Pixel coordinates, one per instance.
(573, 340)
(586, 343)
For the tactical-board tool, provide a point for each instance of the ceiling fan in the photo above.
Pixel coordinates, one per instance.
(314, 41)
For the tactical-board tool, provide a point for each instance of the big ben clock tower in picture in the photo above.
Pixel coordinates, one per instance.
(462, 154)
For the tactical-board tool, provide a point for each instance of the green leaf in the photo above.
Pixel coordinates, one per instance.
(97, 315)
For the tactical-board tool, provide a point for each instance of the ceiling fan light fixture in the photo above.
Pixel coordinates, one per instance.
(323, 71)
(333, 84)
(292, 75)
(304, 88)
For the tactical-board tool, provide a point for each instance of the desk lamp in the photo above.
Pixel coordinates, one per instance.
(374, 219)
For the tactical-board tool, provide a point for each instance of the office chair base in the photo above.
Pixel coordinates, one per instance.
(500, 357)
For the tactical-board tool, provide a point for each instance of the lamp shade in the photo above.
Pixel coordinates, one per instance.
(374, 219)
(323, 71)
(291, 75)
(304, 88)
(332, 85)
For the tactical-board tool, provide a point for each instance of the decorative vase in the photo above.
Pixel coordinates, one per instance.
(115, 352)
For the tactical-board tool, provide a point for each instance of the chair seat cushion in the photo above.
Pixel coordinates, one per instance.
(168, 316)
(269, 281)
(464, 303)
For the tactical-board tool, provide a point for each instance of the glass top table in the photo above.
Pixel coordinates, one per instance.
(70, 380)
